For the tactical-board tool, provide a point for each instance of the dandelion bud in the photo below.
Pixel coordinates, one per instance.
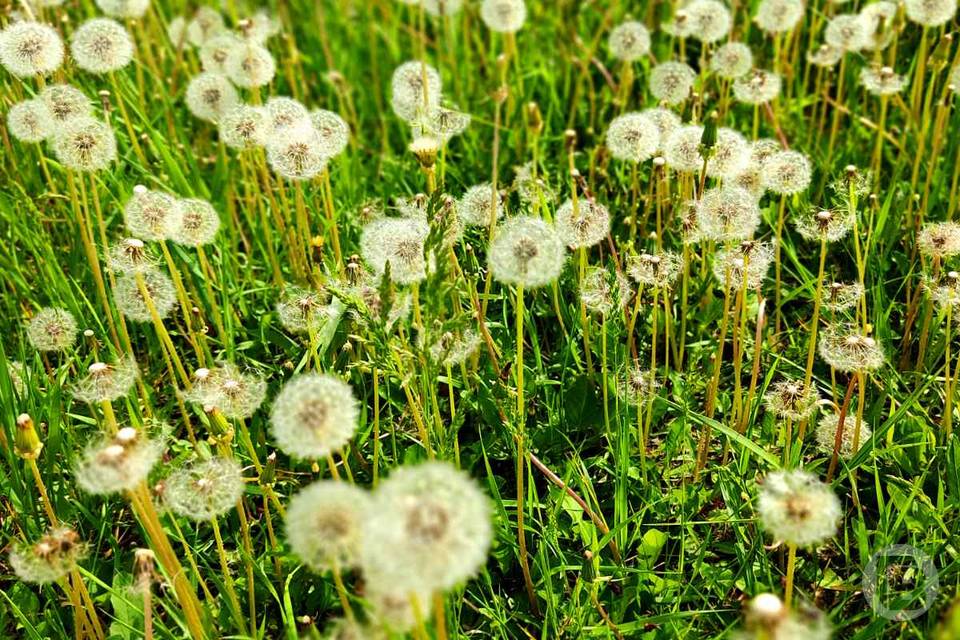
(26, 441)
(235, 394)
(671, 82)
(205, 24)
(629, 41)
(787, 172)
(791, 400)
(85, 144)
(407, 90)
(582, 225)
(757, 87)
(65, 102)
(526, 251)
(732, 60)
(826, 434)
(204, 489)
(428, 528)
(480, 206)
(297, 154)
(124, 9)
(503, 16)
(798, 509)
(249, 65)
(30, 49)
(324, 523)
(30, 121)
(534, 118)
(52, 329)
(846, 348)
(152, 215)
(333, 130)
(118, 463)
(101, 45)
(313, 415)
(425, 149)
(210, 96)
(633, 137)
(106, 382)
(50, 558)
(198, 225)
(930, 13)
(132, 302)
(778, 16)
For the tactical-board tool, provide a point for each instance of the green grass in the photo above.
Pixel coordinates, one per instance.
(691, 549)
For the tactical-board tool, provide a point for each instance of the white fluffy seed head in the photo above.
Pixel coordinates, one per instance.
(85, 144)
(324, 524)
(302, 310)
(213, 53)
(930, 13)
(245, 127)
(939, 239)
(478, 203)
(757, 87)
(30, 49)
(796, 508)
(659, 270)
(881, 81)
(730, 155)
(428, 528)
(787, 172)
(583, 224)
(152, 215)
(847, 32)
(824, 224)
(503, 16)
(878, 18)
(778, 16)
(526, 251)
(106, 382)
(743, 266)
(48, 559)
(840, 296)
(205, 489)
(124, 9)
(205, 24)
(826, 434)
(287, 115)
(728, 214)
(732, 60)
(633, 136)
(235, 393)
(671, 82)
(825, 56)
(297, 154)
(441, 123)
(682, 149)
(399, 242)
(666, 120)
(440, 8)
(709, 20)
(314, 415)
(52, 329)
(118, 463)
(249, 65)
(847, 349)
(131, 301)
(199, 224)
(333, 129)
(65, 102)
(629, 41)
(407, 90)
(130, 255)
(101, 45)
(210, 96)
(454, 347)
(30, 121)
(635, 386)
(791, 400)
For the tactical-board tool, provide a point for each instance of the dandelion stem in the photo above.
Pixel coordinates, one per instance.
(232, 598)
(791, 564)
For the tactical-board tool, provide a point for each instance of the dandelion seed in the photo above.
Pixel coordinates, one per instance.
(798, 509)
(210, 96)
(743, 266)
(249, 65)
(825, 224)
(503, 16)
(825, 56)
(671, 82)
(635, 386)
(930, 13)
(455, 347)
(939, 240)
(314, 415)
(847, 32)
(428, 528)
(214, 52)
(50, 558)
(205, 24)
(732, 60)
(881, 81)
(152, 215)
(633, 137)
(297, 154)
(106, 382)
(334, 131)
(583, 225)
(659, 270)
(778, 16)
(682, 149)
(526, 251)
(236, 394)
(85, 144)
(479, 206)
(124, 9)
(199, 224)
(101, 45)
(728, 214)
(399, 242)
(826, 434)
(407, 88)
(65, 102)
(840, 296)
(30, 121)
(130, 299)
(30, 49)
(324, 522)
(52, 329)
(791, 400)
(245, 127)
(847, 349)
(709, 20)
(119, 462)
(787, 172)
(629, 41)
(204, 489)
(730, 155)
(130, 255)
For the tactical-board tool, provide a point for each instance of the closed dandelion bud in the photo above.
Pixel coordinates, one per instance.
(526, 251)
(52, 329)
(583, 225)
(124, 9)
(152, 215)
(667, 122)
(479, 206)
(425, 149)
(334, 131)
(635, 386)
(85, 144)
(757, 87)
(302, 310)
(199, 224)
(840, 296)
(658, 270)
(324, 522)
(629, 41)
(213, 53)
(454, 348)
(732, 60)
(118, 463)
(778, 16)
(743, 266)
(30, 121)
(130, 255)
(730, 155)
(825, 224)
(930, 13)
(709, 20)
(881, 81)
(314, 415)
(633, 137)
(846, 348)
(847, 32)
(503, 16)
(30, 49)
(65, 102)
(249, 65)
(210, 96)
(787, 172)
(205, 24)
(428, 528)
(106, 382)
(671, 82)
(26, 441)
(682, 149)
(796, 508)
(399, 242)
(826, 434)
(245, 127)
(204, 489)
(939, 240)
(407, 88)
(791, 400)
(727, 214)
(130, 298)
(237, 395)
(297, 154)
(50, 558)
(101, 45)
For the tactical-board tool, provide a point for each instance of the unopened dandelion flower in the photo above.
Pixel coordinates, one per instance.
(124, 9)
(503, 16)
(85, 144)
(130, 299)
(210, 96)
(635, 385)
(787, 172)
(730, 155)
(399, 242)
(671, 82)
(30, 49)
(302, 310)
(334, 131)
(658, 270)
(798, 509)
(65, 102)
(480, 206)
(454, 347)
(199, 224)
(629, 41)
(441, 123)
(930, 13)
(119, 462)
(249, 65)
(825, 56)
(245, 127)
(205, 24)
(106, 382)
(407, 90)
(847, 32)
(939, 239)
(825, 224)
(728, 214)
(130, 255)
(743, 266)
(314, 415)
(213, 53)
(778, 16)
(757, 87)
(52, 329)
(287, 115)
(152, 215)
(881, 81)
(791, 400)
(840, 296)
(30, 121)
(428, 528)
(826, 434)
(846, 348)
(709, 20)
(633, 137)
(682, 149)
(101, 45)
(732, 60)
(50, 558)
(297, 154)
(324, 524)
(204, 489)
(526, 251)
(583, 224)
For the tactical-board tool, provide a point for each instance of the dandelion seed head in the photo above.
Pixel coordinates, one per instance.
(118, 463)
(85, 144)
(939, 239)
(204, 489)
(709, 20)
(287, 115)
(633, 137)
(825, 224)
(930, 13)
(214, 52)
(245, 127)
(796, 508)
(825, 55)
(732, 60)
(130, 299)
(302, 310)
(826, 434)
(730, 155)
(124, 9)
(324, 522)
(441, 123)
(407, 88)
(348, 629)
(455, 347)
(635, 386)
(30, 121)
(235, 393)
(199, 224)
(106, 382)
(440, 8)
(314, 415)
(682, 149)
(249, 65)
(152, 215)
(881, 81)
(18, 374)
(791, 400)
(130, 255)
(65, 102)
(52, 329)
(530, 186)
(778, 16)
(297, 154)
(50, 558)
(659, 270)
(597, 292)
(728, 214)
(743, 266)
(399, 242)
(30, 49)
(526, 251)
(877, 18)
(477, 204)
(671, 82)
(393, 609)
(210, 96)
(787, 172)
(503, 16)
(101, 45)
(847, 32)
(757, 87)
(334, 131)
(629, 41)
(205, 24)
(582, 225)
(840, 296)
(845, 348)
